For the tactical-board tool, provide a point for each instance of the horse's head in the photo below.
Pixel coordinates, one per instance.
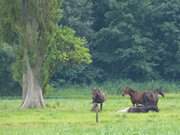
(126, 91)
(160, 92)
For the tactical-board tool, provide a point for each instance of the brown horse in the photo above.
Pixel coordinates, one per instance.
(98, 97)
(136, 96)
(149, 98)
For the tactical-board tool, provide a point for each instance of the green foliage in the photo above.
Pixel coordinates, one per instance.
(40, 39)
(8, 87)
(65, 46)
(130, 39)
(10, 15)
(65, 49)
(120, 45)
(77, 14)
(165, 32)
(140, 40)
(99, 9)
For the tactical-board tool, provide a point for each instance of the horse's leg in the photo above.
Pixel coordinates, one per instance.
(157, 109)
(94, 107)
(154, 108)
(133, 103)
(101, 106)
(146, 100)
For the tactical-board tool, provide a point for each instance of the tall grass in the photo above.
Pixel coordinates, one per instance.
(112, 88)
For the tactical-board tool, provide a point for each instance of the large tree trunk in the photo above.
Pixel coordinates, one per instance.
(24, 86)
(32, 92)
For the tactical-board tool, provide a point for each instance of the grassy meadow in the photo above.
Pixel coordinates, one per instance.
(71, 115)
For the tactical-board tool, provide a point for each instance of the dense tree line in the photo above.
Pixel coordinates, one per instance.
(132, 39)
(128, 39)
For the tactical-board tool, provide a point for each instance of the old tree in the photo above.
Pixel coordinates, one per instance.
(31, 28)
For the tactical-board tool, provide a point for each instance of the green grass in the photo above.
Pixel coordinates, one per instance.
(72, 116)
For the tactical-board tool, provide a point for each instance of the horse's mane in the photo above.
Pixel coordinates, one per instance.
(131, 90)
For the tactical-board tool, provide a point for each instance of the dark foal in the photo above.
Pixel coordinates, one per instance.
(137, 108)
(142, 109)
(98, 97)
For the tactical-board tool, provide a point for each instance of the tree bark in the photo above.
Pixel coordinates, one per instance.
(32, 92)
(24, 86)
